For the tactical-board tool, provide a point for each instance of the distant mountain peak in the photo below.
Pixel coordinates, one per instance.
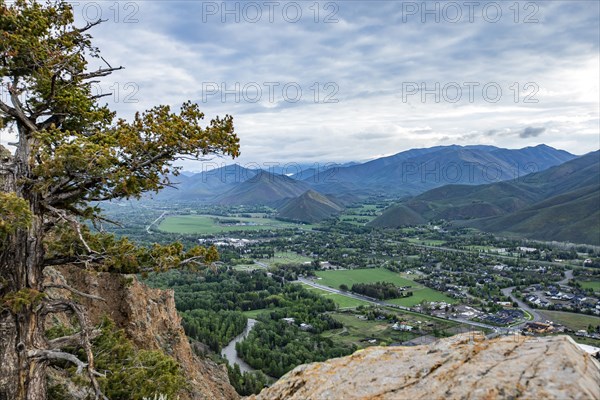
(311, 206)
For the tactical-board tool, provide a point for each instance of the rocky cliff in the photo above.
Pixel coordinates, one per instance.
(460, 367)
(150, 320)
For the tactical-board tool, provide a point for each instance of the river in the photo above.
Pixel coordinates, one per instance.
(229, 351)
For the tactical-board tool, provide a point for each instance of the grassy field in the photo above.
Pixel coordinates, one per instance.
(246, 267)
(591, 284)
(356, 330)
(209, 224)
(427, 242)
(288, 258)
(572, 320)
(353, 215)
(358, 220)
(254, 313)
(349, 277)
(419, 295)
(340, 300)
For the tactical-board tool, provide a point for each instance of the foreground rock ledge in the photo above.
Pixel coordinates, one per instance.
(460, 367)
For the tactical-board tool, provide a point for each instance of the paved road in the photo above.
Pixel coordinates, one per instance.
(495, 329)
(568, 277)
(536, 316)
(154, 222)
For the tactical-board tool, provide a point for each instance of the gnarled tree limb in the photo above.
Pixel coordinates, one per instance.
(73, 340)
(73, 290)
(51, 355)
(55, 306)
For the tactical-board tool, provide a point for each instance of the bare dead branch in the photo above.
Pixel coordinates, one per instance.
(18, 110)
(64, 216)
(193, 260)
(98, 96)
(65, 305)
(99, 73)
(90, 25)
(8, 110)
(57, 355)
(73, 290)
(73, 340)
(106, 62)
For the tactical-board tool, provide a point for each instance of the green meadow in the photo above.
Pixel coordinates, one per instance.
(349, 277)
(341, 300)
(209, 224)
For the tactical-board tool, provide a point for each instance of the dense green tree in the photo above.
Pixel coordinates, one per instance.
(72, 151)
(246, 383)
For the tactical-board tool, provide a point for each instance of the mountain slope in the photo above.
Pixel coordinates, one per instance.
(309, 207)
(561, 203)
(415, 171)
(262, 189)
(205, 185)
(573, 216)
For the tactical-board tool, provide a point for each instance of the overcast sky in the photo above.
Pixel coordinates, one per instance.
(507, 74)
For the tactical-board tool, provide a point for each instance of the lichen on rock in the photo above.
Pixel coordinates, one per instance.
(460, 367)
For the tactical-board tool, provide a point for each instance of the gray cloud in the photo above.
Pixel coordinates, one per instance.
(530, 132)
(369, 54)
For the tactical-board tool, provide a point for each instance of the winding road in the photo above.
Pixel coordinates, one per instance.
(536, 316)
(534, 313)
(568, 277)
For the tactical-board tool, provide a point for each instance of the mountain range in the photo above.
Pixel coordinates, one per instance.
(414, 171)
(519, 191)
(407, 173)
(560, 203)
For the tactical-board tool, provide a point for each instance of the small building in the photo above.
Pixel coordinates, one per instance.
(402, 327)
(305, 327)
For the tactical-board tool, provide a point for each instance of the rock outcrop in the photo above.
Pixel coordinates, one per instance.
(150, 320)
(460, 367)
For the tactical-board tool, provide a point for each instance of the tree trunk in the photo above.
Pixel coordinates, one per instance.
(21, 266)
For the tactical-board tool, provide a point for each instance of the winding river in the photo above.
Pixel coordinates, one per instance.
(229, 351)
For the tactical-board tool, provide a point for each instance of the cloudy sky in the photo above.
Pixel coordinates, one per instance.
(353, 80)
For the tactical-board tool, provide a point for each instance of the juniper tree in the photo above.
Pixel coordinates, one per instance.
(71, 152)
